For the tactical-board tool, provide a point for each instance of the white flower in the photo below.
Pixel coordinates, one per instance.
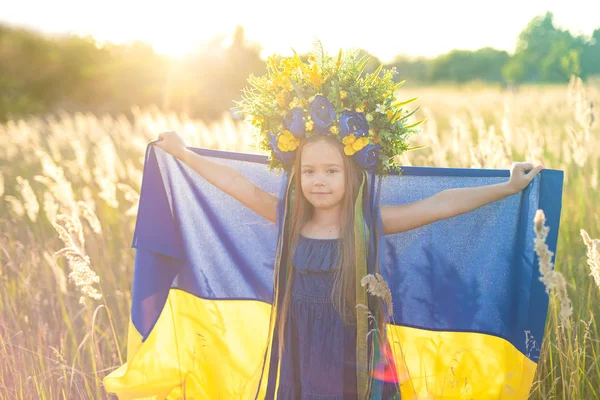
(380, 109)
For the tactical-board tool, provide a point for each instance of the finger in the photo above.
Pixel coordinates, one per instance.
(531, 174)
(518, 166)
(525, 165)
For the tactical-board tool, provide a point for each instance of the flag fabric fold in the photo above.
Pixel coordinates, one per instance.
(469, 308)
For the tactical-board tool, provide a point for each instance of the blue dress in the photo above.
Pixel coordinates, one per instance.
(318, 360)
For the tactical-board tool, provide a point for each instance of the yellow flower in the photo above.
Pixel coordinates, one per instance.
(293, 66)
(360, 143)
(343, 94)
(359, 109)
(352, 144)
(287, 141)
(390, 114)
(314, 76)
(287, 64)
(334, 129)
(312, 59)
(257, 120)
(348, 140)
(308, 125)
(283, 81)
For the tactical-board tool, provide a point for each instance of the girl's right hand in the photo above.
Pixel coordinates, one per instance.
(172, 143)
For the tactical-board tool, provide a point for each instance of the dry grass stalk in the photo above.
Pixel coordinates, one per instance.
(50, 206)
(59, 275)
(88, 213)
(107, 170)
(377, 287)
(54, 179)
(132, 196)
(580, 135)
(593, 255)
(16, 206)
(81, 273)
(550, 278)
(32, 207)
(72, 224)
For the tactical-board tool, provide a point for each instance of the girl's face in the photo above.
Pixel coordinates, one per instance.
(322, 174)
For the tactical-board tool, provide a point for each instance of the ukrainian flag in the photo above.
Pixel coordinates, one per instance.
(469, 308)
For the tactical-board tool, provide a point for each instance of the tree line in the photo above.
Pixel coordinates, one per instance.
(41, 74)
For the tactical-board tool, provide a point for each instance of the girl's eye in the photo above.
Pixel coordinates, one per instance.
(310, 171)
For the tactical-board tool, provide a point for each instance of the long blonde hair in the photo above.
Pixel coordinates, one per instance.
(344, 290)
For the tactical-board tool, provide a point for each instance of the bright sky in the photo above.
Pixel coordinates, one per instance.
(383, 27)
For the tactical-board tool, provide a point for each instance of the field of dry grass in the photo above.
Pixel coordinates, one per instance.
(69, 187)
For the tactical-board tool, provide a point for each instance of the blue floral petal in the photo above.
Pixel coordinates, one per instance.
(352, 122)
(367, 157)
(322, 113)
(294, 122)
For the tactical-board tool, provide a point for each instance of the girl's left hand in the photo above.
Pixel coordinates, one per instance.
(518, 178)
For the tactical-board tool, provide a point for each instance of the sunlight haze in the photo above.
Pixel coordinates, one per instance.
(384, 28)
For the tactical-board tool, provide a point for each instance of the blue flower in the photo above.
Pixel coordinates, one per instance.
(294, 122)
(352, 122)
(322, 113)
(286, 157)
(367, 157)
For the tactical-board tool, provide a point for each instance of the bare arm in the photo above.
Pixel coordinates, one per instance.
(232, 182)
(224, 177)
(442, 205)
(410, 216)
(455, 201)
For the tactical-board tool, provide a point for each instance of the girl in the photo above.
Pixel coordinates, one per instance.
(316, 326)
(329, 128)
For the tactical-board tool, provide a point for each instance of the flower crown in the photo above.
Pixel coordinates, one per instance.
(328, 96)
